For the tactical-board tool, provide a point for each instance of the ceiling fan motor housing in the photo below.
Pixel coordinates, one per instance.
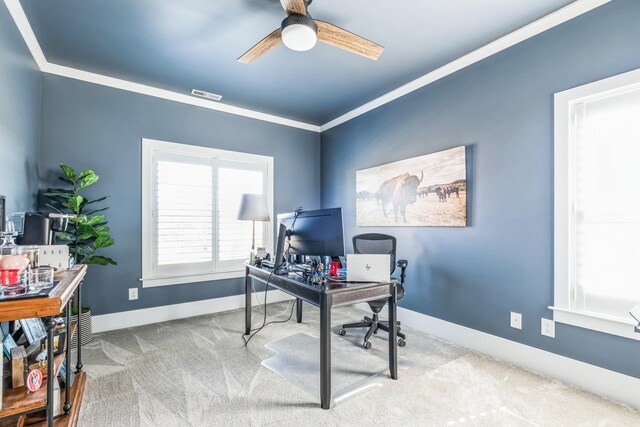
(299, 32)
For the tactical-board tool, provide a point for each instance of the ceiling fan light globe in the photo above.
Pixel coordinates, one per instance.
(299, 37)
(299, 32)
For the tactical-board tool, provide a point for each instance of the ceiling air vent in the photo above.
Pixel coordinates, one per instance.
(203, 94)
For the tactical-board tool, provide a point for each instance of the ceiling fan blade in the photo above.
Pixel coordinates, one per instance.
(298, 7)
(262, 47)
(338, 37)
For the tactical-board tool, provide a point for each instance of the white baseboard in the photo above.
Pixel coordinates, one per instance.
(604, 382)
(145, 316)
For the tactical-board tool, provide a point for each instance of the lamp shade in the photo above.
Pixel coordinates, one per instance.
(253, 207)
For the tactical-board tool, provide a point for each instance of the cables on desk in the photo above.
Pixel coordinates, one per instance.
(262, 304)
(264, 319)
(287, 253)
(266, 289)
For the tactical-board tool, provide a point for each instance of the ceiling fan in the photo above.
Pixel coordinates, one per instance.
(300, 32)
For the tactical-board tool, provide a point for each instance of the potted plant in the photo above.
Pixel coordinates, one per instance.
(87, 231)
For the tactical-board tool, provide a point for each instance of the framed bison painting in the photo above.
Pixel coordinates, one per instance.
(428, 191)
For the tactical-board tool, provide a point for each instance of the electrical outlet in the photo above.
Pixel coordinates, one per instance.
(548, 327)
(133, 293)
(516, 320)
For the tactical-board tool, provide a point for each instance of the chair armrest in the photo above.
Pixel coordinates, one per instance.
(402, 263)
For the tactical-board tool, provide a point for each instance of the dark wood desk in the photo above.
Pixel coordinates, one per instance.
(326, 296)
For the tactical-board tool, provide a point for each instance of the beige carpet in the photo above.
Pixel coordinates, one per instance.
(196, 372)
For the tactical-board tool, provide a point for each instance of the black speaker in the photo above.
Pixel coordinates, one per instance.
(36, 230)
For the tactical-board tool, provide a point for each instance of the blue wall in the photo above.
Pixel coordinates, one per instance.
(20, 85)
(90, 126)
(502, 108)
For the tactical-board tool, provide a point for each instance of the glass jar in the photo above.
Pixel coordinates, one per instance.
(31, 252)
(8, 245)
(13, 282)
(40, 278)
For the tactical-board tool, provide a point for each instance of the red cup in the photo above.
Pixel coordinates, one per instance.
(9, 277)
(333, 269)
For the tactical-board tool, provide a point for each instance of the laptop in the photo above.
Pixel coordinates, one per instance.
(368, 268)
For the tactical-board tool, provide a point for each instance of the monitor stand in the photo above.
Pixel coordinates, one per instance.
(281, 271)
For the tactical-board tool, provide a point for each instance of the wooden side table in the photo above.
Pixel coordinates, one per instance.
(20, 407)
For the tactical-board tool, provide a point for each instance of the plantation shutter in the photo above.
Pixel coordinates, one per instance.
(184, 214)
(234, 236)
(606, 217)
(190, 201)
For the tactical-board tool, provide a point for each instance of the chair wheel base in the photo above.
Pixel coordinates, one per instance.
(401, 342)
(367, 345)
(342, 332)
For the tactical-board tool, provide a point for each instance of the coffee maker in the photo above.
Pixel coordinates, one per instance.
(32, 228)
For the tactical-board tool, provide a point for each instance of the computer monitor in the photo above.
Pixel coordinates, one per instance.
(314, 233)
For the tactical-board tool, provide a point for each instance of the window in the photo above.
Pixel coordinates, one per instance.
(191, 196)
(597, 207)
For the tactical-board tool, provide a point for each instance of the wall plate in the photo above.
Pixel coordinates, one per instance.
(516, 320)
(548, 327)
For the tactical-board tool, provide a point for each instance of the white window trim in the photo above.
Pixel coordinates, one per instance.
(149, 146)
(564, 205)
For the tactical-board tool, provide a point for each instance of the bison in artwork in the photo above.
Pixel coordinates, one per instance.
(401, 191)
(438, 200)
(364, 195)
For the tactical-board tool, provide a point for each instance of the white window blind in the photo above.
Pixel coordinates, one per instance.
(234, 236)
(191, 199)
(596, 207)
(184, 213)
(607, 207)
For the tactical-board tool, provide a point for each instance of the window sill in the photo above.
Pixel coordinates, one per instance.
(181, 280)
(596, 322)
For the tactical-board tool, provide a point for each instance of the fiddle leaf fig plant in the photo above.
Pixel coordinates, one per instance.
(87, 232)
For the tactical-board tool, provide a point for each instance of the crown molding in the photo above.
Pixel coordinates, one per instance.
(19, 17)
(556, 18)
(99, 79)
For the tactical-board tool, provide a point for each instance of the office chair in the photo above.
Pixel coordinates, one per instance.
(375, 243)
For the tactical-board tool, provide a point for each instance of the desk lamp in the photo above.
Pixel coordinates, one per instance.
(253, 207)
